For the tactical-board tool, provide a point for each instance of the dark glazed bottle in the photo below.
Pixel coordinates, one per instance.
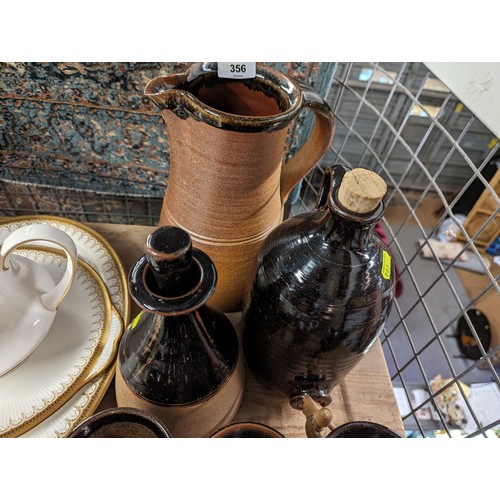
(179, 359)
(322, 291)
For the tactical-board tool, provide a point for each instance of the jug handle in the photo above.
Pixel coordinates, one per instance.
(330, 183)
(316, 145)
(52, 299)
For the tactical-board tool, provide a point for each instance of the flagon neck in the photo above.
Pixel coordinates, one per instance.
(339, 223)
(172, 277)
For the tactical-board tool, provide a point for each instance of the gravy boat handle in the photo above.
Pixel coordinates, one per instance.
(52, 299)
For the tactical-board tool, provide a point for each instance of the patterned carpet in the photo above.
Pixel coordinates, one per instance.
(88, 127)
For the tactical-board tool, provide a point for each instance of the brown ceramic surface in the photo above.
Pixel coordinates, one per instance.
(247, 430)
(227, 184)
(321, 293)
(179, 359)
(121, 423)
(362, 429)
(199, 419)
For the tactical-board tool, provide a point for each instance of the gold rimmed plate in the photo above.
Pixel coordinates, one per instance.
(99, 254)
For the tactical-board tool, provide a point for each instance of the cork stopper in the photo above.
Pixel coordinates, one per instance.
(361, 191)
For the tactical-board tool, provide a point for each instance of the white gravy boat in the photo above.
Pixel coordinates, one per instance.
(29, 298)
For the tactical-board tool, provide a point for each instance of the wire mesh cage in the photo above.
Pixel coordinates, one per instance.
(18, 199)
(441, 341)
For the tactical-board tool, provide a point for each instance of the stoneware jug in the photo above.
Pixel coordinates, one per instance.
(29, 298)
(322, 291)
(227, 184)
(180, 359)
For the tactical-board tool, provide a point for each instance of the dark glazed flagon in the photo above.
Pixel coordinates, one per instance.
(322, 290)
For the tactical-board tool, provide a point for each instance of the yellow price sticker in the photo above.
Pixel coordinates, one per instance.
(136, 320)
(386, 265)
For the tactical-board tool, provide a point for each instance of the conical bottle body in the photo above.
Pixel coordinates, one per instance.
(180, 359)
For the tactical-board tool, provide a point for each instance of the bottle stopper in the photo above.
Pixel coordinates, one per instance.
(361, 191)
(169, 253)
(172, 277)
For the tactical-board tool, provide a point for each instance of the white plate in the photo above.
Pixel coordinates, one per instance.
(97, 252)
(65, 357)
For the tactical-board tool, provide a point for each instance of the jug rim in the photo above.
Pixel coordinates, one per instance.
(171, 92)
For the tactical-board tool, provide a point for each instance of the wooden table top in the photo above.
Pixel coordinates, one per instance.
(365, 394)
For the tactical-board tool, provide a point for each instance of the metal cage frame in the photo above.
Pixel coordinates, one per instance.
(351, 128)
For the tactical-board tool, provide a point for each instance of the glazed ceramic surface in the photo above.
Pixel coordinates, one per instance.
(97, 252)
(179, 359)
(67, 354)
(323, 288)
(121, 423)
(29, 297)
(227, 183)
(362, 429)
(247, 430)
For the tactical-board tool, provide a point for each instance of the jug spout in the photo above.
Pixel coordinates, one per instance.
(166, 93)
(171, 92)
